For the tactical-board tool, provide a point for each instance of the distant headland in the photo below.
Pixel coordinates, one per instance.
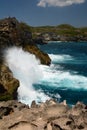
(63, 32)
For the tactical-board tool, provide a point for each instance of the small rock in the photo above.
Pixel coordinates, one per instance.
(33, 104)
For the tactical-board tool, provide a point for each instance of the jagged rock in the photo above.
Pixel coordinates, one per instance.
(15, 115)
(50, 102)
(33, 104)
(4, 111)
(14, 33)
(62, 123)
(79, 105)
(6, 108)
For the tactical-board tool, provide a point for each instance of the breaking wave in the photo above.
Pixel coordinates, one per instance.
(26, 68)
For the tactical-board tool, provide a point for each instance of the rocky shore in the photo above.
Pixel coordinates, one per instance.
(14, 115)
(15, 33)
(45, 116)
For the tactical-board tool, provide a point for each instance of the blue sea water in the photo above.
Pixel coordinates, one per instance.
(66, 77)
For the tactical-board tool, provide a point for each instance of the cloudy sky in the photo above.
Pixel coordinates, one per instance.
(46, 12)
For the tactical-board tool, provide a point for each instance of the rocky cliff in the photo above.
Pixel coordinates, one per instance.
(15, 33)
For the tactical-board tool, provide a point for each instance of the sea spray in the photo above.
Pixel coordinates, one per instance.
(26, 68)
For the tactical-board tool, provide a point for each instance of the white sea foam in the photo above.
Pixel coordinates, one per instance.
(59, 58)
(26, 68)
(63, 79)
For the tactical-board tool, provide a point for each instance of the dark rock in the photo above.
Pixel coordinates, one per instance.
(81, 127)
(86, 107)
(39, 40)
(15, 33)
(8, 84)
(62, 123)
(4, 111)
(43, 57)
(33, 104)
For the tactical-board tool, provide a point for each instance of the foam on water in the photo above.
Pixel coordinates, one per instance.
(26, 68)
(67, 75)
(59, 58)
(54, 77)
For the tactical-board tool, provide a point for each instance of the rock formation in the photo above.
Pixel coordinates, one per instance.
(8, 84)
(45, 116)
(14, 33)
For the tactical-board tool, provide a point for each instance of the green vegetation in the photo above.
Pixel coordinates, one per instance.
(63, 29)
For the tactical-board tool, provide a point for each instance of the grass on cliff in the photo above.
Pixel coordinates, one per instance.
(63, 29)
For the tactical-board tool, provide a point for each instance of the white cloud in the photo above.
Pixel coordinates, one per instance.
(61, 3)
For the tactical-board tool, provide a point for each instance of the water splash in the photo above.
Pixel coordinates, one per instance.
(26, 68)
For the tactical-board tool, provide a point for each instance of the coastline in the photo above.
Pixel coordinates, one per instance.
(50, 115)
(66, 42)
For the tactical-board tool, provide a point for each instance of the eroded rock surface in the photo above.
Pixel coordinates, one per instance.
(49, 116)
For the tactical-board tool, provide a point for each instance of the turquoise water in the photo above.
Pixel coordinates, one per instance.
(66, 77)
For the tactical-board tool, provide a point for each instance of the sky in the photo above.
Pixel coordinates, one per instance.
(46, 12)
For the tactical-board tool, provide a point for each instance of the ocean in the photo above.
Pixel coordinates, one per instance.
(64, 79)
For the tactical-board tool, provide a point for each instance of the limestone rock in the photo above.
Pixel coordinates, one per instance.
(17, 116)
